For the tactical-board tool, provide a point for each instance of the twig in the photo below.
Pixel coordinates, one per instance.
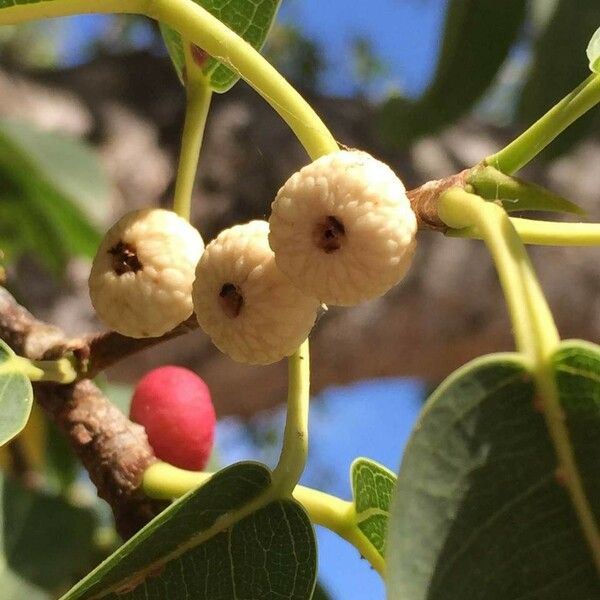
(107, 349)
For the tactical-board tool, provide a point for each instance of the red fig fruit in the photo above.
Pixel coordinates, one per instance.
(174, 405)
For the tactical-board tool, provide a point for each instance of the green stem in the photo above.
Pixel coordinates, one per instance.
(62, 370)
(295, 436)
(459, 209)
(530, 143)
(198, 95)
(339, 516)
(165, 482)
(535, 332)
(206, 31)
(544, 233)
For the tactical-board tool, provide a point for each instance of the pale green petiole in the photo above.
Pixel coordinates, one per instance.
(166, 482)
(544, 233)
(531, 142)
(295, 437)
(62, 370)
(460, 209)
(198, 94)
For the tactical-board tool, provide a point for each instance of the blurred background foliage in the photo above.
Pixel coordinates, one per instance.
(508, 62)
(501, 63)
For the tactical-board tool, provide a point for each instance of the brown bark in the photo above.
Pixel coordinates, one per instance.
(114, 450)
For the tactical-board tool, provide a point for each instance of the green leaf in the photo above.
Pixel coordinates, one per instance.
(46, 541)
(593, 52)
(65, 164)
(249, 19)
(203, 547)
(478, 36)
(577, 368)
(372, 487)
(119, 394)
(61, 464)
(559, 66)
(479, 511)
(519, 195)
(16, 396)
(24, 230)
(174, 44)
(52, 188)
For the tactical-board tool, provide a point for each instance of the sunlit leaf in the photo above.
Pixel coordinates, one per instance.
(250, 19)
(372, 487)
(480, 510)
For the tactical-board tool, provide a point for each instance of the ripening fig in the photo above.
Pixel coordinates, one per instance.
(342, 228)
(251, 311)
(174, 405)
(141, 279)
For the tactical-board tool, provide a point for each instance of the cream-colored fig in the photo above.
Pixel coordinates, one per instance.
(141, 279)
(250, 310)
(342, 228)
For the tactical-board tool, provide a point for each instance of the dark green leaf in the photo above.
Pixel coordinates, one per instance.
(577, 367)
(249, 19)
(372, 487)
(16, 396)
(80, 237)
(46, 541)
(197, 549)
(558, 67)
(479, 511)
(478, 35)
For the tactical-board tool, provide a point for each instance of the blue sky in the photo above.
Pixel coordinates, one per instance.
(404, 34)
(371, 419)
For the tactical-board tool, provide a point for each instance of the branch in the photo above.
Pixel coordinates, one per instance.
(107, 349)
(114, 450)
